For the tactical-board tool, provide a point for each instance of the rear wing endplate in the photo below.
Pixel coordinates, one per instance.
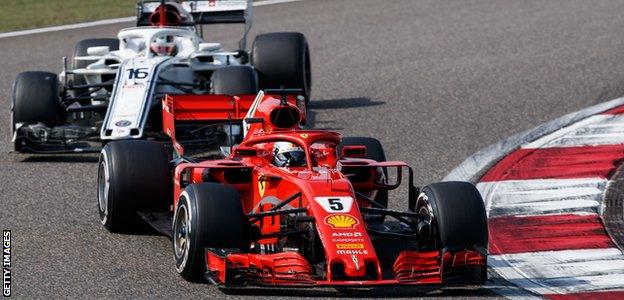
(198, 108)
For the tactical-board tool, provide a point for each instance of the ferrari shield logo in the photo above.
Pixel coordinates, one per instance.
(304, 135)
(261, 185)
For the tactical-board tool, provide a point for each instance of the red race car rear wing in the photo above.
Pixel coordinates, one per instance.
(213, 108)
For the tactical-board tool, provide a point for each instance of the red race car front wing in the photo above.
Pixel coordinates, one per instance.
(290, 269)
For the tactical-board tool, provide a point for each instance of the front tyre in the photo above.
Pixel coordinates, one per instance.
(457, 218)
(208, 215)
(35, 100)
(132, 176)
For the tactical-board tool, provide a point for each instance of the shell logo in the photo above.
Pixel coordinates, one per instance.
(341, 221)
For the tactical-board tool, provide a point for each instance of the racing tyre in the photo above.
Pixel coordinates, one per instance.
(132, 176)
(282, 59)
(459, 220)
(81, 50)
(234, 80)
(374, 151)
(36, 99)
(208, 215)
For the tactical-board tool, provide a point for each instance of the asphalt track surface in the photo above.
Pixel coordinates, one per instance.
(435, 81)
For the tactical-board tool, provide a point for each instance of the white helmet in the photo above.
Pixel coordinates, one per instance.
(286, 154)
(164, 46)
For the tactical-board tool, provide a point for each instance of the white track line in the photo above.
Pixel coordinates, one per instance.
(595, 130)
(564, 271)
(105, 22)
(66, 27)
(477, 164)
(542, 196)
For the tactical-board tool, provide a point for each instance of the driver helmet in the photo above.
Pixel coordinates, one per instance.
(286, 154)
(164, 46)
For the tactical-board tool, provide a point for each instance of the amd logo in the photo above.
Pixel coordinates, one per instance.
(346, 234)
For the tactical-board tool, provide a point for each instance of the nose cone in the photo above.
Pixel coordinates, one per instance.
(351, 262)
(348, 249)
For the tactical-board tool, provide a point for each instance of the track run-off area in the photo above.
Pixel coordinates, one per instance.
(434, 81)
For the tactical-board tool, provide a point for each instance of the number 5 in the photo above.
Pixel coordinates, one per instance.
(335, 204)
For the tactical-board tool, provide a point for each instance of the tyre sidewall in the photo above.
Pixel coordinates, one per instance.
(36, 99)
(188, 264)
(459, 215)
(104, 166)
(216, 221)
(139, 180)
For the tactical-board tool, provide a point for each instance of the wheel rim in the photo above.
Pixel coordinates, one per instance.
(12, 116)
(426, 214)
(103, 189)
(16, 145)
(180, 232)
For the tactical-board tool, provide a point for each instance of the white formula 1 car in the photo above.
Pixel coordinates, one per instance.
(115, 87)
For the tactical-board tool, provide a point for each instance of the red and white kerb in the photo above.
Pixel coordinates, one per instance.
(544, 202)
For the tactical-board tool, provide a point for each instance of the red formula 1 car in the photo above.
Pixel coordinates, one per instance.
(288, 206)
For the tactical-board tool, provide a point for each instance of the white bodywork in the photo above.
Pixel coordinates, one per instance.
(139, 72)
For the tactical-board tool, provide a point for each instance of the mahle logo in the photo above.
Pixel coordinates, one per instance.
(348, 252)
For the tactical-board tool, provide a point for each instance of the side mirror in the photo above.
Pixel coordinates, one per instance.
(98, 51)
(353, 151)
(245, 151)
(209, 47)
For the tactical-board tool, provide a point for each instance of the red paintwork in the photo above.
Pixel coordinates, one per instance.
(162, 12)
(566, 162)
(512, 234)
(201, 108)
(292, 269)
(346, 244)
(268, 268)
(418, 267)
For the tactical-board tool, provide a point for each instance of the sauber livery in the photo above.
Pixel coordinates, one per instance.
(114, 88)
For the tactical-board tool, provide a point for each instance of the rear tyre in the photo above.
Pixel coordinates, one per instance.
(208, 215)
(234, 80)
(282, 59)
(374, 151)
(132, 176)
(459, 220)
(81, 50)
